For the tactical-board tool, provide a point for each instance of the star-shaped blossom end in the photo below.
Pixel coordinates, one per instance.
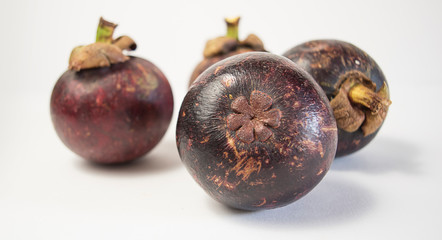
(252, 121)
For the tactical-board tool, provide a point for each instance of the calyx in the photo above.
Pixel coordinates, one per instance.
(358, 105)
(104, 52)
(230, 42)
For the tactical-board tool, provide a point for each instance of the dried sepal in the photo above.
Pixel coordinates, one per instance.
(95, 55)
(219, 46)
(348, 117)
(358, 105)
(254, 42)
(230, 42)
(353, 77)
(374, 120)
(125, 43)
(104, 52)
(223, 45)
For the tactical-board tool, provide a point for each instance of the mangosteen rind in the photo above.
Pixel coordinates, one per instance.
(270, 170)
(354, 84)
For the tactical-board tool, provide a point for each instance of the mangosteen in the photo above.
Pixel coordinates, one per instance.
(225, 46)
(109, 107)
(355, 85)
(256, 131)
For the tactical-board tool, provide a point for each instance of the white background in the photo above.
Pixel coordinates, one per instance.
(389, 190)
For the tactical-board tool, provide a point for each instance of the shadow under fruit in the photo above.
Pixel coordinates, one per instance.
(256, 131)
(110, 111)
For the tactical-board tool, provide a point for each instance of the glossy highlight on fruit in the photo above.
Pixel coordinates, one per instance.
(256, 131)
(111, 114)
(355, 85)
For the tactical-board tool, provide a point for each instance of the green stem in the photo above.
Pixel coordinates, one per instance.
(105, 31)
(232, 27)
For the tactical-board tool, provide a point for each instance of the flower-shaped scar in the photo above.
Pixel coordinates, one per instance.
(252, 121)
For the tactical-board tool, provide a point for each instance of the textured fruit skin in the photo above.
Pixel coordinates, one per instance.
(261, 174)
(207, 62)
(112, 114)
(327, 61)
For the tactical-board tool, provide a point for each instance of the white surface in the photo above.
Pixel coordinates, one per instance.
(389, 190)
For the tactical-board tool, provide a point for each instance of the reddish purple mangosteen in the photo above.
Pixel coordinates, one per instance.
(355, 85)
(256, 131)
(108, 107)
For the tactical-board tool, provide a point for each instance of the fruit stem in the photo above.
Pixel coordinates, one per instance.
(105, 31)
(368, 98)
(232, 27)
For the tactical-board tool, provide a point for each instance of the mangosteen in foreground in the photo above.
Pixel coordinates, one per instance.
(256, 131)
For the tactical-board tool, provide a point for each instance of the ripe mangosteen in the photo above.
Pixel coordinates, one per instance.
(108, 107)
(256, 131)
(355, 85)
(225, 46)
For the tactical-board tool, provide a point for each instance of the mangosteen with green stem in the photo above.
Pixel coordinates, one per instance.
(109, 107)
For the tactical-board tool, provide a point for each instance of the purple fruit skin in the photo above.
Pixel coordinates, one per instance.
(326, 61)
(257, 175)
(112, 114)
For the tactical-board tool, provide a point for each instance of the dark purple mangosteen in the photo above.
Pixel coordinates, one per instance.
(355, 85)
(256, 131)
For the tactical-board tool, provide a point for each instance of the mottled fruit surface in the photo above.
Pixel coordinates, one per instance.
(337, 66)
(112, 114)
(256, 131)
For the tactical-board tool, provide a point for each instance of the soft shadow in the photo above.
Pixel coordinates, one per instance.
(381, 156)
(331, 202)
(163, 157)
